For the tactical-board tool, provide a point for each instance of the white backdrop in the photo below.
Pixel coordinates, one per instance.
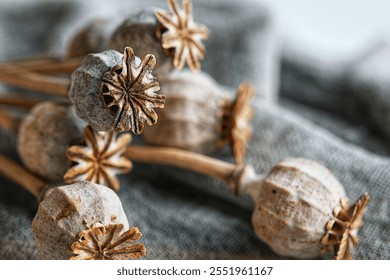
(338, 29)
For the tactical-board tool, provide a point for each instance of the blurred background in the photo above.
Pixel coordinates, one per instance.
(344, 46)
(335, 30)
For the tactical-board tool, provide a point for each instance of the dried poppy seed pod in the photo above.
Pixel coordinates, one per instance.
(83, 221)
(173, 36)
(139, 32)
(195, 107)
(92, 38)
(99, 159)
(69, 210)
(51, 144)
(201, 116)
(294, 204)
(84, 89)
(300, 210)
(181, 35)
(115, 92)
(44, 136)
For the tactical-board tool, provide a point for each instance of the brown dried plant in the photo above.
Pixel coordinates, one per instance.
(242, 114)
(236, 127)
(130, 93)
(100, 159)
(107, 243)
(341, 231)
(183, 35)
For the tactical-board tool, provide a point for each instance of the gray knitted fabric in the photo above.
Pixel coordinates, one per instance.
(321, 114)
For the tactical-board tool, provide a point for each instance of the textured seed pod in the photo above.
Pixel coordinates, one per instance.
(193, 114)
(92, 38)
(139, 32)
(85, 88)
(295, 202)
(67, 211)
(44, 136)
(116, 92)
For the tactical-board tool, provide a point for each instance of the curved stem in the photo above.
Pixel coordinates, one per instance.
(20, 175)
(9, 121)
(26, 79)
(237, 177)
(18, 100)
(48, 65)
(32, 59)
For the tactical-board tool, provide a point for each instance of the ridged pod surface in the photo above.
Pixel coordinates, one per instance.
(193, 113)
(139, 32)
(44, 135)
(92, 38)
(84, 89)
(293, 206)
(69, 209)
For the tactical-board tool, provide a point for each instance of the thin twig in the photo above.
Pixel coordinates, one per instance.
(33, 59)
(9, 121)
(20, 175)
(36, 82)
(19, 101)
(43, 66)
(235, 176)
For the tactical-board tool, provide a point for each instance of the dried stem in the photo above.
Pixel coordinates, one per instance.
(9, 121)
(237, 177)
(23, 78)
(20, 175)
(48, 65)
(35, 58)
(19, 101)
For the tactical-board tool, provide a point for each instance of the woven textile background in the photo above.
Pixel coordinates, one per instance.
(338, 115)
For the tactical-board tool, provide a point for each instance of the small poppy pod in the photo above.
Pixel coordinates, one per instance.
(55, 144)
(139, 32)
(92, 38)
(85, 85)
(201, 116)
(297, 211)
(70, 209)
(44, 136)
(117, 92)
(58, 146)
(173, 36)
